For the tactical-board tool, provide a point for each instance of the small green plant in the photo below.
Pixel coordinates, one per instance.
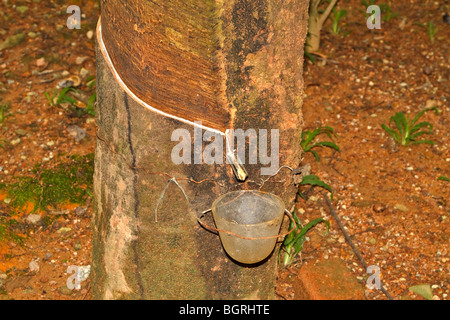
(64, 97)
(308, 137)
(444, 178)
(310, 57)
(336, 17)
(293, 242)
(313, 181)
(90, 106)
(430, 29)
(407, 130)
(387, 12)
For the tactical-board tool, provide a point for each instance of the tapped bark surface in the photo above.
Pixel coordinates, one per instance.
(233, 64)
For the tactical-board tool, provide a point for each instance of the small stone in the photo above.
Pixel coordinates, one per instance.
(431, 104)
(427, 70)
(76, 132)
(401, 207)
(446, 18)
(66, 83)
(3, 277)
(80, 211)
(90, 34)
(15, 141)
(28, 291)
(84, 73)
(33, 218)
(379, 207)
(65, 291)
(33, 265)
(80, 60)
(372, 241)
(21, 132)
(12, 41)
(32, 34)
(362, 203)
(90, 120)
(77, 245)
(43, 279)
(22, 9)
(64, 230)
(41, 62)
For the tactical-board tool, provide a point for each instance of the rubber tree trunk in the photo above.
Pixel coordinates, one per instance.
(229, 64)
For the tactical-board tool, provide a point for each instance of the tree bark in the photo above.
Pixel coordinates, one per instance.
(229, 64)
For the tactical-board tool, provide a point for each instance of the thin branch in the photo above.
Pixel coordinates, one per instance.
(350, 242)
(315, 4)
(326, 13)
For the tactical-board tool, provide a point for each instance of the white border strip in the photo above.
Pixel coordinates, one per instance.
(137, 99)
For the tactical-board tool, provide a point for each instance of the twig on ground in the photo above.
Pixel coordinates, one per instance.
(350, 242)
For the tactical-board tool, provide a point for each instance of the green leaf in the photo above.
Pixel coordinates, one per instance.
(444, 178)
(315, 181)
(423, 142)
(327, 144)
(307, 137)
(417, 134)
(391, 132)
(401, 123)
(316, 155)
(424, 290)
(422, 112)
(310, 57)
(306, 228)
(420, 126)
(295, 246)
